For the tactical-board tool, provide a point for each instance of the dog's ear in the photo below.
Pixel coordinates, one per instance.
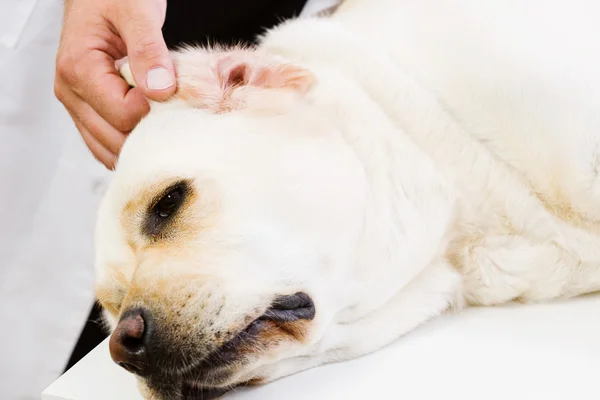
(248, 68)
(237, 79)
(223, 81)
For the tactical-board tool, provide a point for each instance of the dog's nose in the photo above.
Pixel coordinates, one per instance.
(128, 342)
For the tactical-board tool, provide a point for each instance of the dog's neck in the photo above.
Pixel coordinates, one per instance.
(410, 207)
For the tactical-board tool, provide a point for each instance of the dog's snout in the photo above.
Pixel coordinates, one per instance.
(128, 342)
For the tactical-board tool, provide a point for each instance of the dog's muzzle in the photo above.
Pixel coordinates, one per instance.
(136, 346)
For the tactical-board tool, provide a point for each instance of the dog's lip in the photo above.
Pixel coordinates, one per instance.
(223, 357)
(299, 304)
(215, 367)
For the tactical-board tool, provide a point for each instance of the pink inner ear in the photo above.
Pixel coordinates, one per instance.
(237, 76)
(239, 68)
(231, 80)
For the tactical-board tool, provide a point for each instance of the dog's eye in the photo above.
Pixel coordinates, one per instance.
(161, 211)
(169, 203)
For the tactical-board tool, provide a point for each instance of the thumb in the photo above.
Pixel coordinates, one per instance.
(149, 58)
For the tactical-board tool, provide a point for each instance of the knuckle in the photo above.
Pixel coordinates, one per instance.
(125, 122)
(65, 67)
(130, 116)
(58, 91)
(147, 49)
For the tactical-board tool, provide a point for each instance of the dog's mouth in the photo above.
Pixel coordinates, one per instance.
(217, 367)
(284, 310)
(213, 377)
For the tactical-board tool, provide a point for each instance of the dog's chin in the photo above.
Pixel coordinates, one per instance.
(183, 390)
(191, 391)
(204, 385)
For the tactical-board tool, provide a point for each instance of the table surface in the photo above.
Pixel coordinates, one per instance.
(545, 351)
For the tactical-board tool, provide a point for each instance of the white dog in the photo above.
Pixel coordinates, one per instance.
(314, 199)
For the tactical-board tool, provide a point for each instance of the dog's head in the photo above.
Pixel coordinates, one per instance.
(227, 232)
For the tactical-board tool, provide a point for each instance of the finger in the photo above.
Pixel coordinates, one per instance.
(106, 134)
(110, 138)
(100, 85)
(100, 152)
(139, 24)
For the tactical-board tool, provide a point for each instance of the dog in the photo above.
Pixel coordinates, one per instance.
(315, 198)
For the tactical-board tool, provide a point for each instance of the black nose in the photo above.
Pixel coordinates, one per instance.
(128, 342)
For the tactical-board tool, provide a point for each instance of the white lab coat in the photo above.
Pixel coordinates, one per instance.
(49, 190)
(50, 187)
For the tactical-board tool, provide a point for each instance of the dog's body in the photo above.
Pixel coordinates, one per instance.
(505, 105)
(441, 153)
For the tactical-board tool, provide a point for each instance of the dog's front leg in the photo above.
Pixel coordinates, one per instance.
(430, 294)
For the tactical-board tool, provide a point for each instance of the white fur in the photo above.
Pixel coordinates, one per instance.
(448, 154)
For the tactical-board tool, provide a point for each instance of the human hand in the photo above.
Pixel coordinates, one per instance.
(95, 34)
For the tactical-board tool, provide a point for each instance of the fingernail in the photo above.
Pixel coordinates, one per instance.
(159, 79)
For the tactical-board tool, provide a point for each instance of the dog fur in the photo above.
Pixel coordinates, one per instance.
(395, 161)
